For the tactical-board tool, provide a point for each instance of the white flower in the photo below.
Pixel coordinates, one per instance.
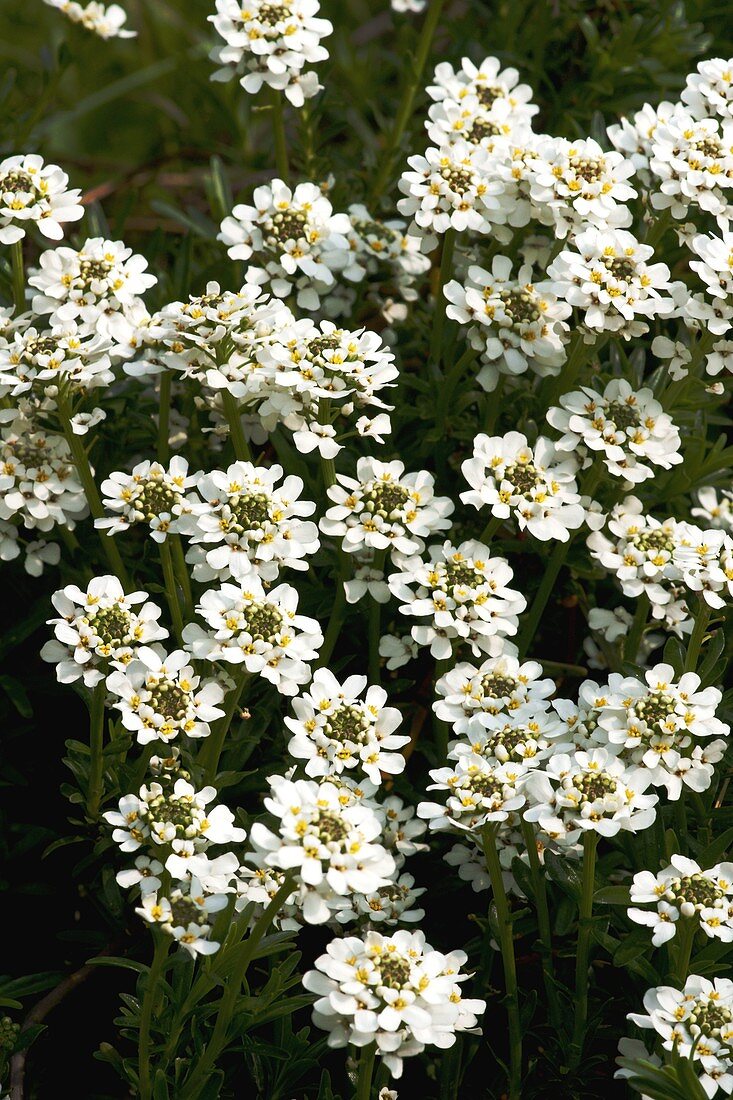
(692, 164)
(628, 427)
(247, 520)
(87, 282)
(451, 187)
(488, 82)
(696, 1021)
(34, 193)
(657, 724)
(525, 737)
(259, 629)
(462, 595)
(106, 21)
(335, 850)
(152, 494)
(607, 276)
(184, 912)
(270, 43)
(397, 651)
(683, 890)
(708, 92)
(39, 554)
(679, 355)
(98, 627)
(634, 138)
(39, 483)
(535, 485)
(575, 184)
(83, 422)
(334, 729)
(366, 580)
(408, 5)
(639, 550)
(301, 243)
(585, 791)
(704, 560)
(159, 696)
(716, 509)
(517, 323)
(172, 814)
(394, 991)
(721, 358)
(145, 874)
(43, 359)
(385, 509)
(479, 791)
(500, 685)
(393, 904)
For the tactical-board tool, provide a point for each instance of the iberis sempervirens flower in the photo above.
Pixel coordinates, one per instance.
(67, 354)
(581, 791)
(153, 495)
(394, 991)
(662, 724)
(270, 42)
(104, 20)
(159, 696)
(574, 184)
(336, 730)
(684, 892)
(697, 1022)
(606, 277)
(334, 850)
(97, 285)
(185, 912)
(35, 194)
(534, 485)
(715, 507)
(459, 595)
(703, 560)
(301, 244)
(499, 686)
(714, 265)
(384, 508)
(627, 427)
(98, 628)
(708, 92)
(516, 324)
(259, 629)
(39, 484)
(478, 791)
(248, 518)
(172, 816)
(500, 96)
(692, 166)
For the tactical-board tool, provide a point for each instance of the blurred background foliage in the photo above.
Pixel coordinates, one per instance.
(159, 151)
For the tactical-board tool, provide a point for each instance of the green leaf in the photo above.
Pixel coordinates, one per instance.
(611, 895)
(564, 872)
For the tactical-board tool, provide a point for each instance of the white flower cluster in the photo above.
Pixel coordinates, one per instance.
(270, 43)
(151, 494)
(534, 485)
(684, 892)
(104, 20)
(39, 485)
(516, 323)
(395, 991)
(99, 628)
(460, 595)
(627, 426)
(33, 193)
(696, 1021)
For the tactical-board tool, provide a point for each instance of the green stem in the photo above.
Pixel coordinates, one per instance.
(84, 470)
(171, 589)
(686, 928)
(375, 622)
(335, 622)
(490, 530)
(384, 170)
(580, 352)
(280, 140)
(328, 466)
(552, 570)
(441, 729)
(16, 260)
(506, 943)
(635, 635)
(543, 922)
(439, 307)
(582, 957)
(96, 745)
(366, 1072)
(702, 618)
(182, 574)
(162, 944)
(212, 748)
(236, 432)
(164, 417)
(219, 1036)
